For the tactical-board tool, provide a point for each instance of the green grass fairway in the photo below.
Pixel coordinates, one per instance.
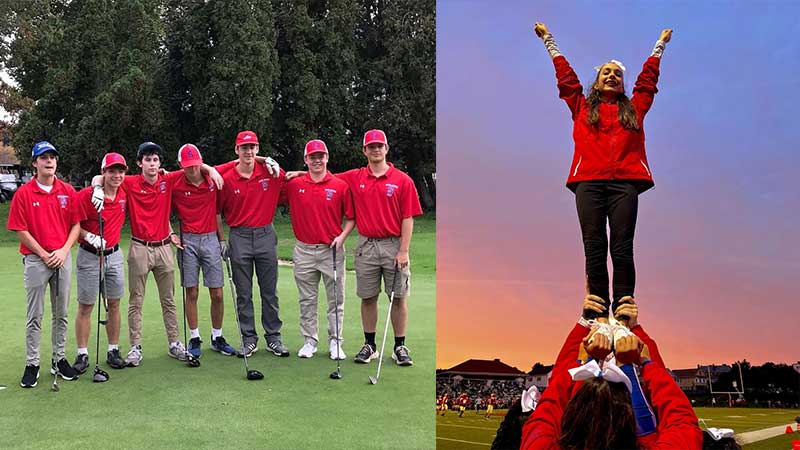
(165, 404)
(474, 432)
(470, 432)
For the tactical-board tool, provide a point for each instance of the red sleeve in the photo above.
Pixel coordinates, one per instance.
(349, 177)
(82, 204)
(543, 428)
(409, 203)
(655, 355)
(226, 167)
(347, 200)
(645, 88)
(128, 183)
(569, 86)
(17, 220)
(677, 422)
(283, 197)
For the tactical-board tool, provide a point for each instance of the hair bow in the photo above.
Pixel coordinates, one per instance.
(609, 372)
(613, 61)
(530, 397)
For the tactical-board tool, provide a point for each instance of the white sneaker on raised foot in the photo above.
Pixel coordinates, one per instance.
(307, 351)
(134, 356)
(336, 350)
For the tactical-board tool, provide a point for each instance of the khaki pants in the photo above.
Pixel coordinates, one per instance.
(37, 276)
(312, 261)
(141, 261)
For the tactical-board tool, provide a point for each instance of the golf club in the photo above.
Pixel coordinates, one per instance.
(249, 374)
(386, 327)
(100, 375)
(55, 387)
(338, 374)
(191, 361)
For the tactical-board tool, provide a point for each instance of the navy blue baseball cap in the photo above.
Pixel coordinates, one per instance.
(149, 148)
(41, 147)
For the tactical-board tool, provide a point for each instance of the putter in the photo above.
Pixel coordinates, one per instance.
(191, 361)
(249, 374)
(100, 375)
(337, 375)
(55, 387)
(374, 380)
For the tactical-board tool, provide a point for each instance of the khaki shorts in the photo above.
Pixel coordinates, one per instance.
(374, 259)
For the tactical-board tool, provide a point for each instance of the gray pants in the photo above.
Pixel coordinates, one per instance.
(37, 276)
(249, 248)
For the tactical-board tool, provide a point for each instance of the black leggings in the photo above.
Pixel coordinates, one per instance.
(617, 202)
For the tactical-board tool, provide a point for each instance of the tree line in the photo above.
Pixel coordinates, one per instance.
(99, 75)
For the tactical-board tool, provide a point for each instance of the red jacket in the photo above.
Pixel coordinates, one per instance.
(608, 151)
(677, 423)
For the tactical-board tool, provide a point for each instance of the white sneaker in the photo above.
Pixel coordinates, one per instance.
(618, 330)
(177, 351)
(134, 356)
(336, 346)
(307, 351)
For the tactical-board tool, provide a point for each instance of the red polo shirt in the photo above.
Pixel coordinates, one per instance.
(149, 205)
(249, 202)
(317, 209)
(113, 215)
(48, 217)
(382, 202)
(196, 206)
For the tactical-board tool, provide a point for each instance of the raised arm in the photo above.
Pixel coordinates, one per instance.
(645, 88)
(677, 422)
(569, 86)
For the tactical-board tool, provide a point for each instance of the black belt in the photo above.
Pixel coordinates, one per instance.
(164, 241)
(382, 239)
(97, 252)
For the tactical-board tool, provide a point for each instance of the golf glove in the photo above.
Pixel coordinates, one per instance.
(95, 241)
(273, 167)
(98, 197)
(223, 249)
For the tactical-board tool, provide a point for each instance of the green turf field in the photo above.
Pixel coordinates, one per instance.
(165, 404)
(474, 432)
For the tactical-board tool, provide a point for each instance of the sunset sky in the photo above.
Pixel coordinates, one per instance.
(717, 248)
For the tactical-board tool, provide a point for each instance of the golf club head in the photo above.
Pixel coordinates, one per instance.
(254, 375)
(373, 380)
(100, 375)
(55, 387)
(191, 361)
(336, 375)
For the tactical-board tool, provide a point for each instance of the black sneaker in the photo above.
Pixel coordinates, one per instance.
(401, 356)
(277, 348)
(81, 363)
(221, 345)
(64, 370)
(248, 350)
(366, 354)
(115, 360)
(194, 347)
(30, 377)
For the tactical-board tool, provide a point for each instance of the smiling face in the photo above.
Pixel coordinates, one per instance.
(113, 176)
(317, 162)
(609, 80)
(247, 153)
(46, 164)
(376, 152)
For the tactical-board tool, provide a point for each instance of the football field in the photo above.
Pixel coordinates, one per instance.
(165, 404)
(474, 432)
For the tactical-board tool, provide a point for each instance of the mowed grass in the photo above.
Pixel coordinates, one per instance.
(165, 404)
(469, 432)
(474, 432)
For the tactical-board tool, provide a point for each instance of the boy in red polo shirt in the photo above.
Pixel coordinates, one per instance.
(45, 217)
(248, 202)
(93, 247)
(318, 202)
(194, 198)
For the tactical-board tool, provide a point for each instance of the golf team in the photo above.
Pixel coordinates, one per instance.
(49, 216)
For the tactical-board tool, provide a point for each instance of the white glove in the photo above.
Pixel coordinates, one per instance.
(98, 197)
(95, 241)
(273, 167)
(223, 249)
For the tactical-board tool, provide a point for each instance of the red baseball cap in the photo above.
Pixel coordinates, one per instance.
(315, 146)
(246, 137)
(189, 155)
(113, 159)
(375, 136)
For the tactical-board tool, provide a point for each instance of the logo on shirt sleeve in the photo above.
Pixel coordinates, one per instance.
(62, 200)
(329, 194)
(390, 188)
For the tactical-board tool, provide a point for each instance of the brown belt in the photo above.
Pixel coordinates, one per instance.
(164, 241)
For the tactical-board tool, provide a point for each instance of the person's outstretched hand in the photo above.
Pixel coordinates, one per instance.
(666, 35)
(541, 30)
